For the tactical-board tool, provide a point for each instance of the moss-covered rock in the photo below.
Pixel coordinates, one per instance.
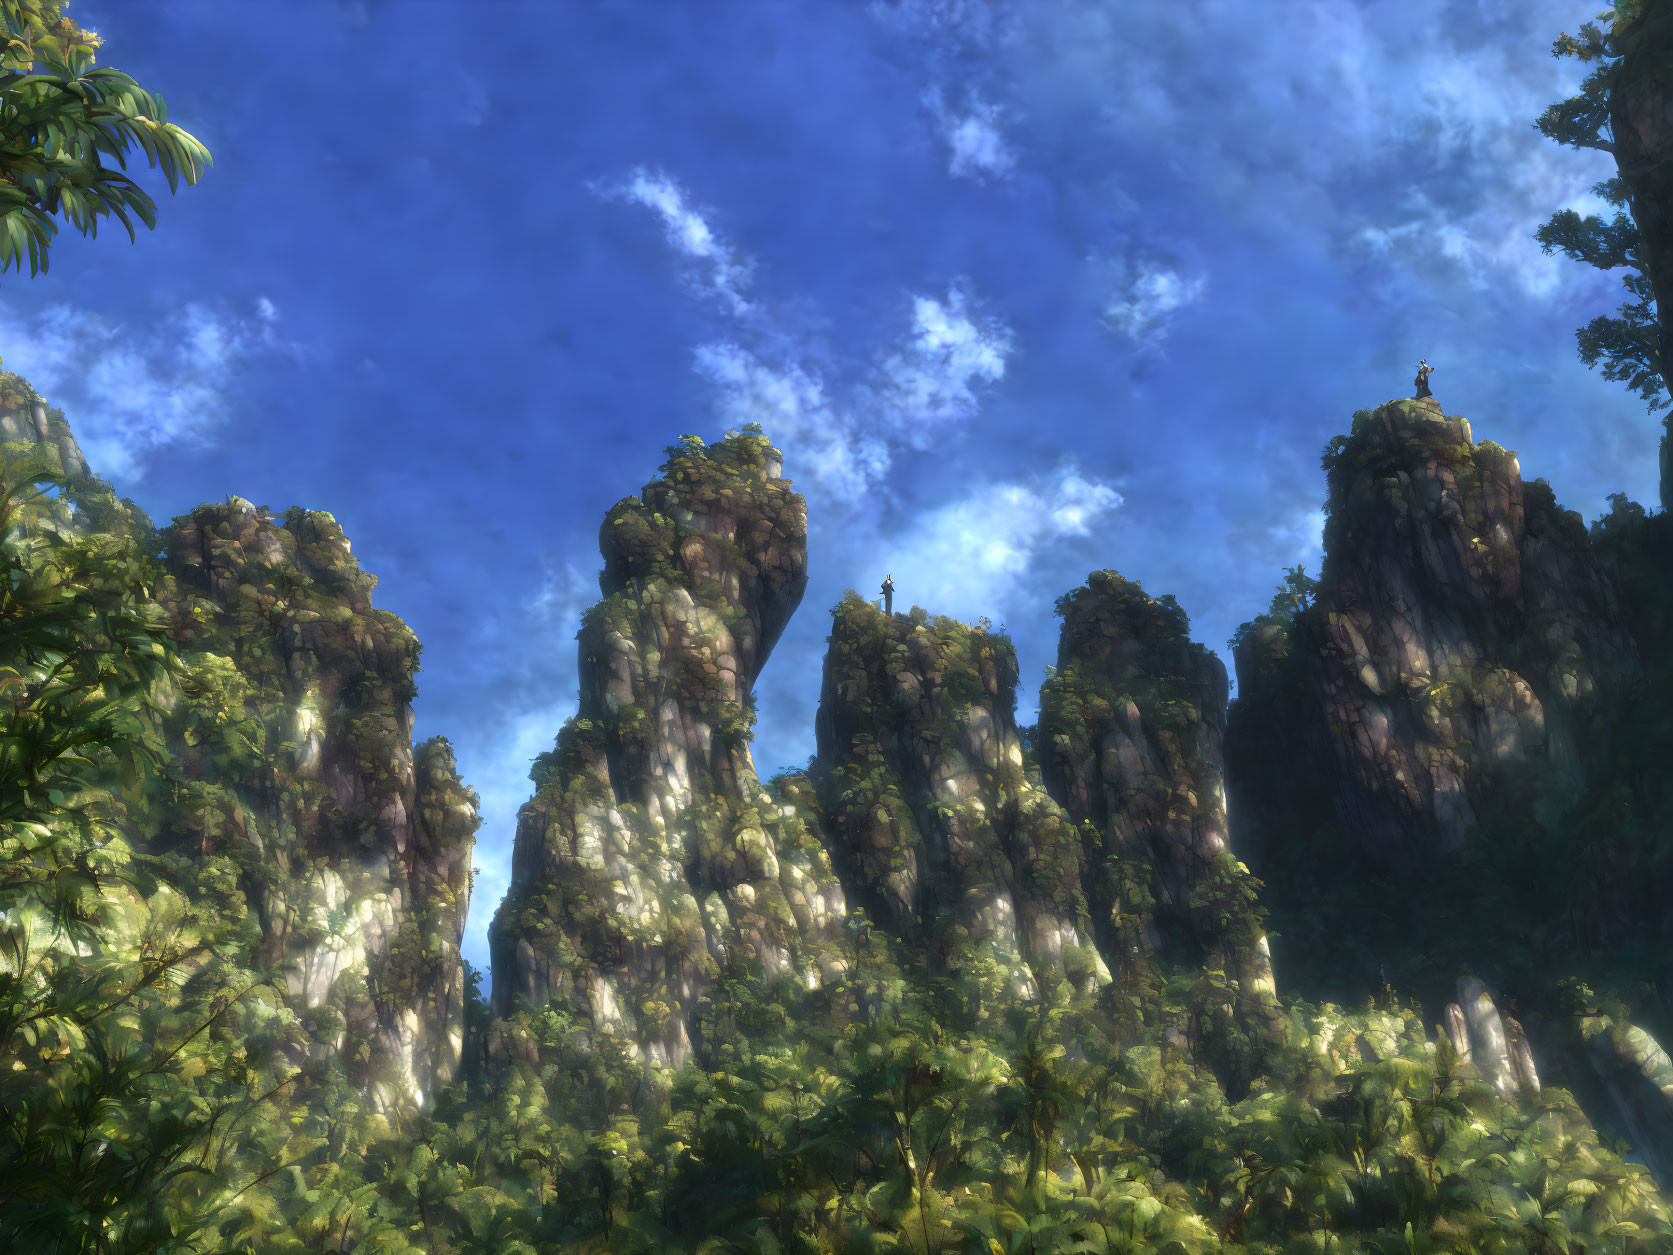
(931, 817)
(288, 769)
(294, 755)
(1462, 632)
(26, 419)
(1132, 721)
(650, 855)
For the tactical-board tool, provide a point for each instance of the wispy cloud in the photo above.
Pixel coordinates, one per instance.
(971, 556)
(567, 588)
(828, 444)
(976, 147)
(930, 380)
(1299, 539)
(135, 391)
(721, 273)
(1142, 295)
(971, 23)
(495, 754)
(842, 435)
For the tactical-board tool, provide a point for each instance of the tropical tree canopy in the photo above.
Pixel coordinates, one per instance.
(61, 118)
(1628, 345)
(1615, 113)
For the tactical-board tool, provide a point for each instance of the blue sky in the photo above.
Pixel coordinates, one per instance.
(1023, 290)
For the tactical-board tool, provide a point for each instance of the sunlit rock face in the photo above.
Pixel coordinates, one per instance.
(294, 752)
(1462, 632)
(25, 418)
(930, 816)
(1495, 1044)
(1130, 743)
(650, 850)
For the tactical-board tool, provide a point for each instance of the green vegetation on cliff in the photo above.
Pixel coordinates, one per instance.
(234, 1046)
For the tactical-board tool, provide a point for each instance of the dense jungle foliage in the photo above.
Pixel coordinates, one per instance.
(161, 1090)
(157, 1093)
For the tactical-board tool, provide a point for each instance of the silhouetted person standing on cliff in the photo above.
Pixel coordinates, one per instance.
(1423, 369)
(888, 594)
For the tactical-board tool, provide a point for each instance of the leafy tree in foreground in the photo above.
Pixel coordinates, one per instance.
(1626, 95)
(61, 117)
(133, 1039)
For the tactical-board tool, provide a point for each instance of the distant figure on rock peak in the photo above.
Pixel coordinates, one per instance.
(888, 594)
(1423, 369)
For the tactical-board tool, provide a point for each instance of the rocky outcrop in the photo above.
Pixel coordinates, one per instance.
(293, 758)
(1130, 740)
(931, 819)
(650, 852)
(1637, 1076)
(289, 771)
(25, 418)
(1495, 1044)
(1462, 631)
(1451, 753)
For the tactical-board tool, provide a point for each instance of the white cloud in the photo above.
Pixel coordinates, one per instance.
(724, 276)
(1299, 540)
(829, 446)
(968, 557)
(132, 392)
(1143, 295)
(928, 381)
(496, 753)
(841, 440)
(976, 147)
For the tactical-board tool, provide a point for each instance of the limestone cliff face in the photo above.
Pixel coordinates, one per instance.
(1462, 628)
(25, 418)
(930, 815)
(293, 751)
(1130, 741)
(289, 771)
(650, 853)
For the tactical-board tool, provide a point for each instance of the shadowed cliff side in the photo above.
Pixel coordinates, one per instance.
(288, 770)
(294, 758)
(650, 855)
(1130, 740)
(1444, 765)
(1462, 631)
(930, 816)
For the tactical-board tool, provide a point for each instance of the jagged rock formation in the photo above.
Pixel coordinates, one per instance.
(931, 818)
(1130, 742)
(1462, 629)
(1455, 755)
(27, 419)
(650, 853)
(1495, 1044)
(290, 771)
(294, 752)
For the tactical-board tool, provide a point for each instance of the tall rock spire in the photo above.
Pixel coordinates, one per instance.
(1462, 626)
(650, 852)
(931, 816)
(1130, 741)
